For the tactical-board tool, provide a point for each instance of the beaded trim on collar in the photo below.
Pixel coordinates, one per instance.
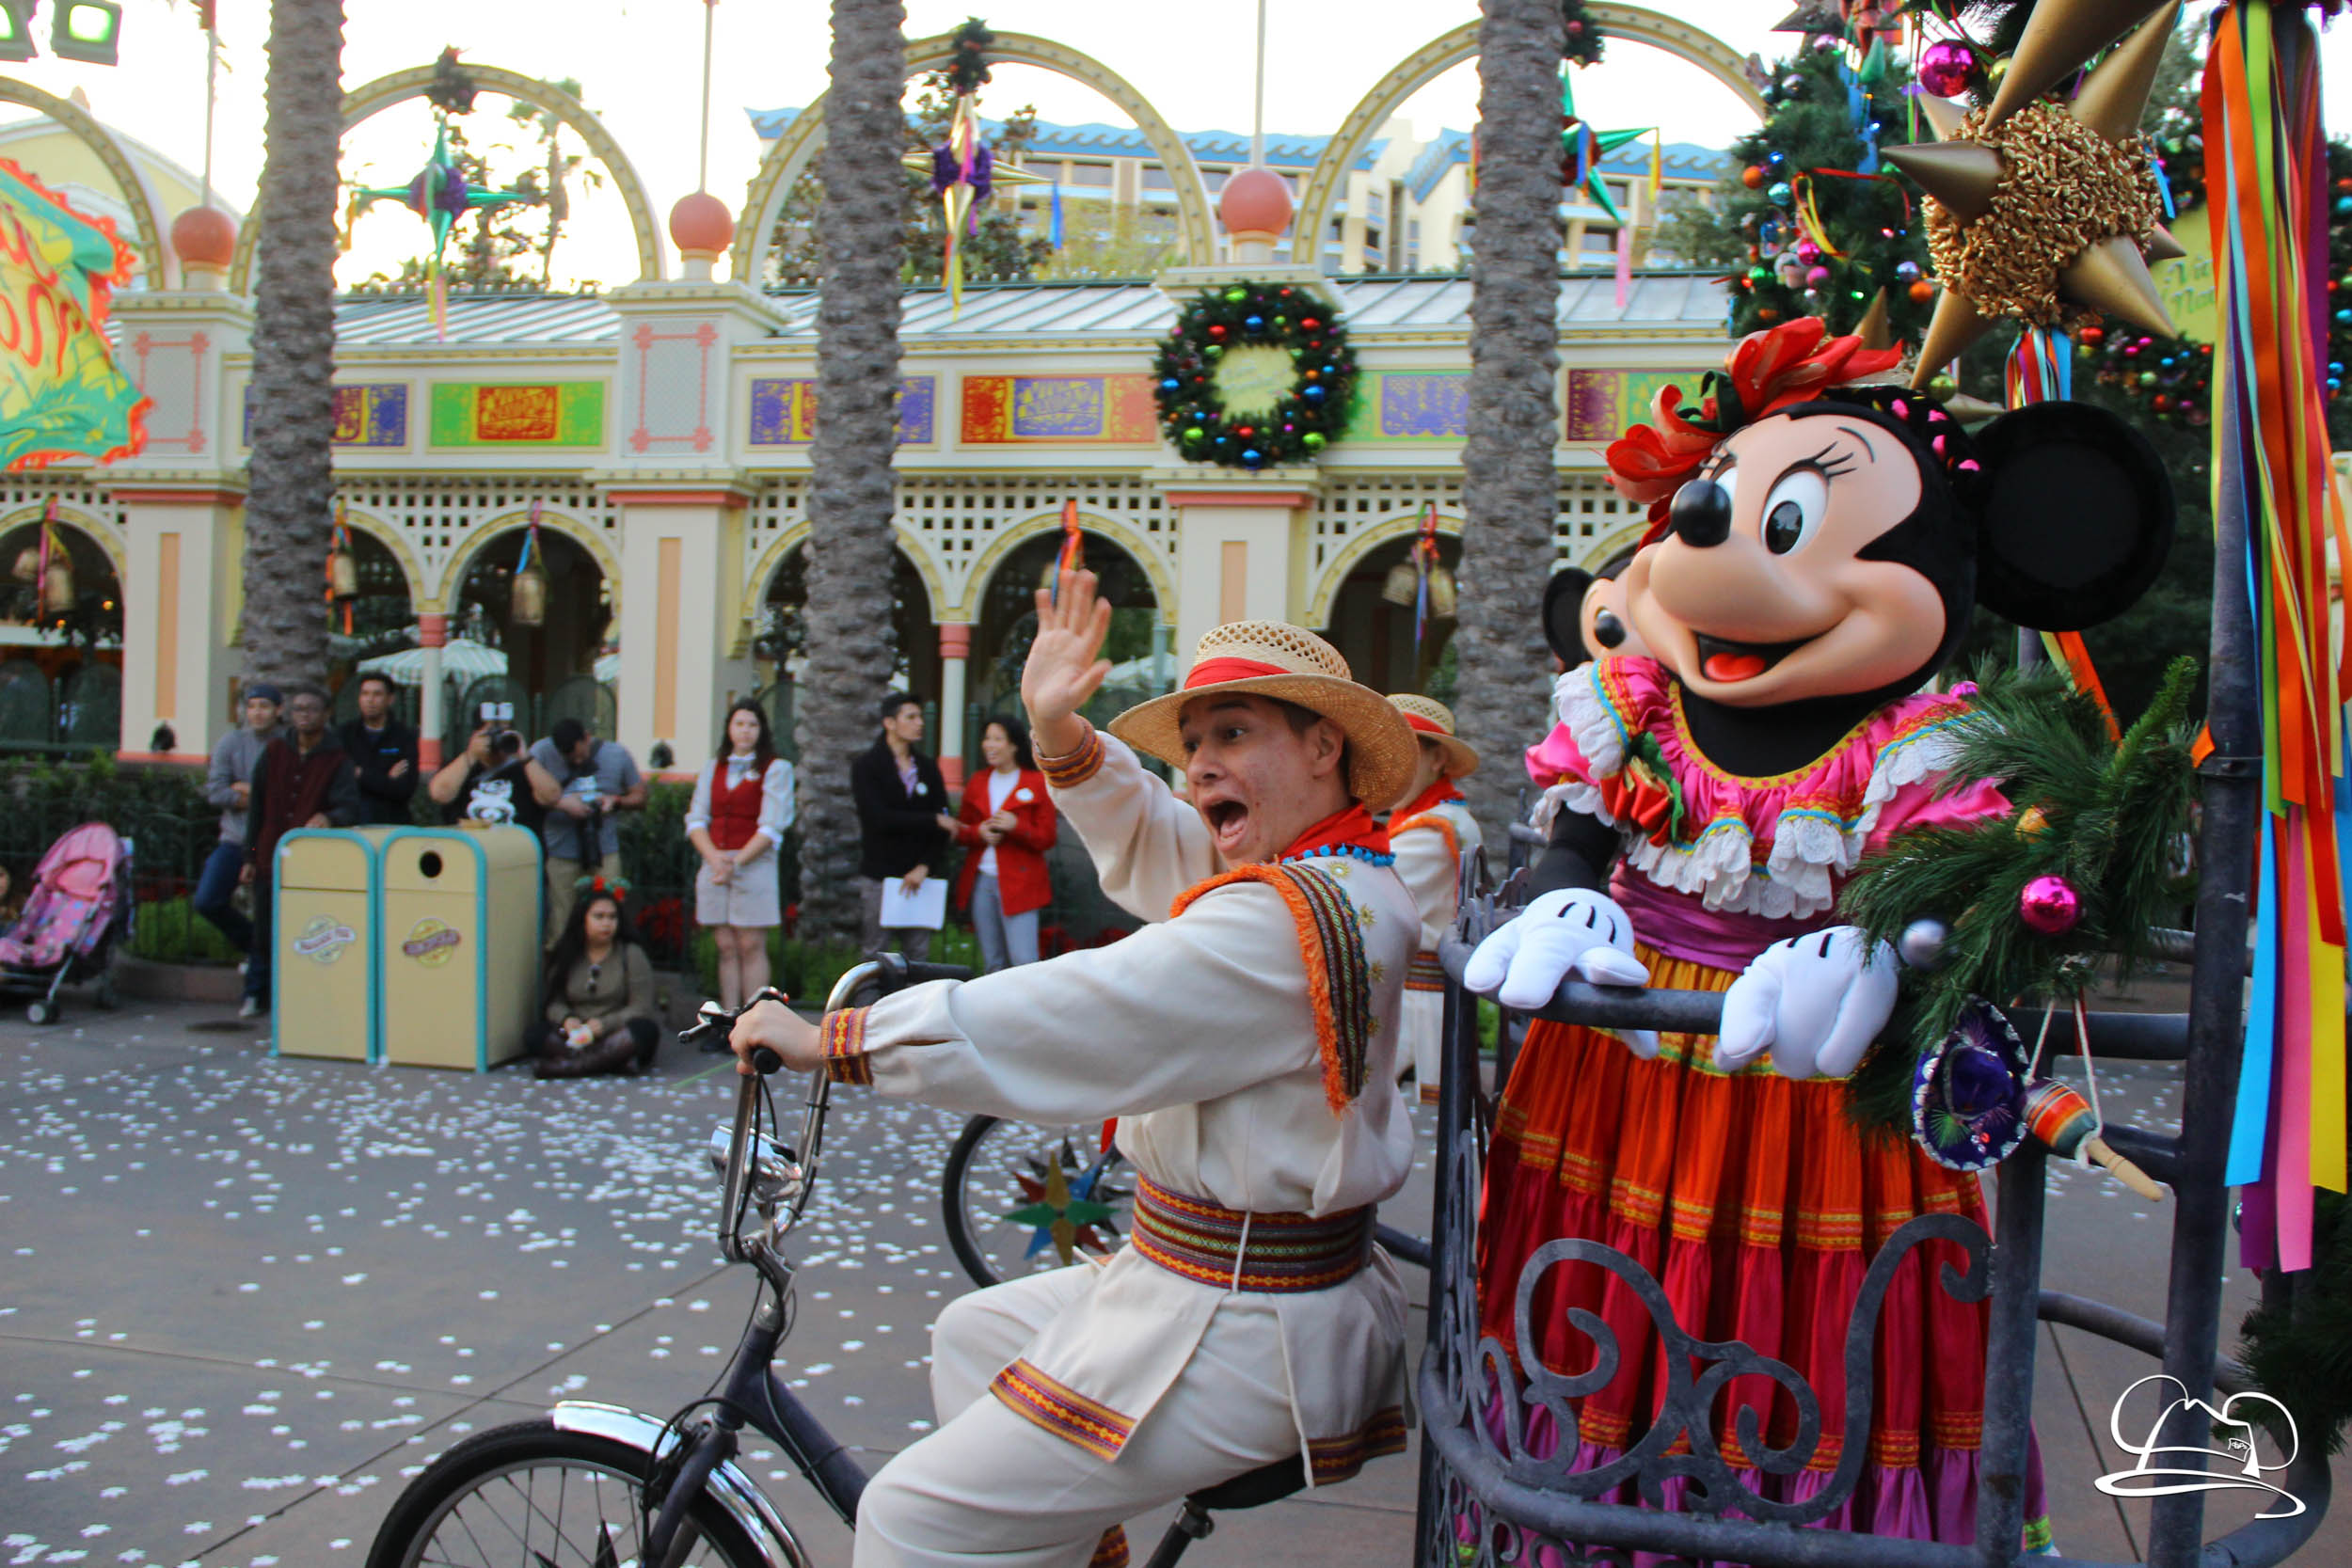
(1340, 851)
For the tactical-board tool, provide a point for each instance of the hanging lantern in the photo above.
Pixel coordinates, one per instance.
(28, 564)
(343, 574)
(526, 598)
(1420, 580)
(56, 583)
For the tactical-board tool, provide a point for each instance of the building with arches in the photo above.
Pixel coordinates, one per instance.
(654, 440)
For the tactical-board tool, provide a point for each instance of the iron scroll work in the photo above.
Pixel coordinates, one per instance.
(1489, 1496)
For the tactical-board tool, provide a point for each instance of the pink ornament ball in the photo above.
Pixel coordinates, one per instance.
(1808, 252)
(2050, 906)
(1817, 278)
(1946, 67)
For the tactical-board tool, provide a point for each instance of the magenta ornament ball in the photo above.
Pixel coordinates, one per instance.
(1808, 252)
(2050, 905)
(1817, 278)
(1946, 67)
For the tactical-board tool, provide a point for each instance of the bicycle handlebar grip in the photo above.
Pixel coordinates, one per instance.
(921, 973)
(766, 1062)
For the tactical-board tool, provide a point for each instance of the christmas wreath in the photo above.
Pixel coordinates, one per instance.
(1253, 374)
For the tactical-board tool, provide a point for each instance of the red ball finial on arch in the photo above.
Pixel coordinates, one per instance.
(204, 237)
(700, 225)
(1255, 204)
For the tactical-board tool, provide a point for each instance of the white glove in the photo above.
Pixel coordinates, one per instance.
(1573, 931)
(1815, 1001)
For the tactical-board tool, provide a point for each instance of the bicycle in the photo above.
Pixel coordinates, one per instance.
(598, 1483)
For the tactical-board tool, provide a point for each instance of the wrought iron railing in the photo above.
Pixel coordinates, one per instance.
(1490, 1498)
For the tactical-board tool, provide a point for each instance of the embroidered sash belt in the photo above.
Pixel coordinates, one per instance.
(1286, 1252)
(1424, 973)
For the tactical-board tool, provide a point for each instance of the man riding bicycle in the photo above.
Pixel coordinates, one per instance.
(1247, 1041)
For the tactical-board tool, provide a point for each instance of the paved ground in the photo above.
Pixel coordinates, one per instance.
(243, 1300)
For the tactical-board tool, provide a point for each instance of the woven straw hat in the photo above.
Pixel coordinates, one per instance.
(1273, 658)
(1433, 721)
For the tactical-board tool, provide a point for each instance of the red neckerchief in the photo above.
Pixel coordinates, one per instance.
(1352, 828)
(1428, 799)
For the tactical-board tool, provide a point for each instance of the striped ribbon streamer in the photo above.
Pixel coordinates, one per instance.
(2272, 467)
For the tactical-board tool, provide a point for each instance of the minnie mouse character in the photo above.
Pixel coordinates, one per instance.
(1584, 616)
(1817, 547)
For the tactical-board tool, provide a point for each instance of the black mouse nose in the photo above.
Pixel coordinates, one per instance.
(1701, 513)
(1607, 631)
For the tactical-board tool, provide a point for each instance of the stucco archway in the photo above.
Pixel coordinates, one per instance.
(365, 103)
(453, 574)
(1432, 60)
(763, 200)
(1150, 559)
(1396, 525)
(136, 194)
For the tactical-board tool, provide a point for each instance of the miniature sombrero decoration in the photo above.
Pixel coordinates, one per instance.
(1274, 659)
(1968, 1092)
(1432, 721)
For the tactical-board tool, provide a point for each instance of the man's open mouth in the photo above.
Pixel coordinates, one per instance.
(1722, 659)
(1226, 818)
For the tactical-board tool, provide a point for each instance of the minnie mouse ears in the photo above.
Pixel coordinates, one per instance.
(2077, 517)
(1563, 614)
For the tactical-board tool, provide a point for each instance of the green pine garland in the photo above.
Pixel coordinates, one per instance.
(1193, 377)
(2106, 816)
(1584, 34)
(2301, 1353)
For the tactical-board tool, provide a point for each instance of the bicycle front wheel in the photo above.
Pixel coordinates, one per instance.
(532, 1494)
(1021, 1197)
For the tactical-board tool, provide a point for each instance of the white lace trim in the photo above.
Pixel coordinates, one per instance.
(1812, 850)
(1575, 696)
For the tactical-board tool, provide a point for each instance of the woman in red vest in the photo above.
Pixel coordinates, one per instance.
(1006, 823)
(742, 804)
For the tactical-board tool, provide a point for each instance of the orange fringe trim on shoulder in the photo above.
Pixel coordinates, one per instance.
(1435, 822)
(1344, 1058)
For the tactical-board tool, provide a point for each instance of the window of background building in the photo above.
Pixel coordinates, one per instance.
(1600, 240)
(1377, 206)
(1214, 179)
(1091, 174)
(1156, 178)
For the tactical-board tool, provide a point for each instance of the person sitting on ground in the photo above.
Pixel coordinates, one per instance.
(599, 1014)
(1246, 1041)
(1431, 830)
(1008, 823)
(489, 782)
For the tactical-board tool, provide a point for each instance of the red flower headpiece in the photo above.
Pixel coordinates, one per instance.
(1765, 373)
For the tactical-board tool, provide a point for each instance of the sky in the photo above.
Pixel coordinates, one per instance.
(639, 66)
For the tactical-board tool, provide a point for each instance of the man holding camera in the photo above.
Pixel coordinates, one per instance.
(582, 782)
(490, 780)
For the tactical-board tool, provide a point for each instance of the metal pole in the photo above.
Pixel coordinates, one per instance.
(1257, 116)
(212, 74)
(702, 161)
(2009, 1354)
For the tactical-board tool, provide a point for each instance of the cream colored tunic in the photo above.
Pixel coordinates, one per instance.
(1432, 872)
(1199, 1034)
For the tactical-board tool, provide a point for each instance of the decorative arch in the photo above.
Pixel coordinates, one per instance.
(1137, 549)
(771, 561)
(1399, 523)
(136, 194)
(1591, 557)
(365, 103)
(453, 574)
(1425, 65)
(102, 532)
(384, 533)
(793, 151)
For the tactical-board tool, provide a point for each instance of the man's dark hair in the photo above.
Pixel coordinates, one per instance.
(305, 689)
(893, 702)
(567, 733)
(379, 679)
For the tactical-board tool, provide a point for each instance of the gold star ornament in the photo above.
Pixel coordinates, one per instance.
(2048, 213)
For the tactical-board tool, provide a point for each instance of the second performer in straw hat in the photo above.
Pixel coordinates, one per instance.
(1430, 830)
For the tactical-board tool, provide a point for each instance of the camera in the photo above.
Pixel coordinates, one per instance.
(498, 713)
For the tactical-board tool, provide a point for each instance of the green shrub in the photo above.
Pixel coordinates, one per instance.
(168, 930)
(805, 972)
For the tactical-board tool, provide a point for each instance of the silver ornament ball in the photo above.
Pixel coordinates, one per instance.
(1921, 945)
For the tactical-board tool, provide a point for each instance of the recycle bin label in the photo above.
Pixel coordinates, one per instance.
(324, 938)
(432, 943)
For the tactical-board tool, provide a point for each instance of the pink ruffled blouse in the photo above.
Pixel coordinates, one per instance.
(1717, 867)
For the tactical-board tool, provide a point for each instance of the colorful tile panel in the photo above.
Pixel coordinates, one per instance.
(518, 414)
(371, 414)
(1111, 410)
(784, 411)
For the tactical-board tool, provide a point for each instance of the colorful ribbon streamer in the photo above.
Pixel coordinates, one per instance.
(1072, 555)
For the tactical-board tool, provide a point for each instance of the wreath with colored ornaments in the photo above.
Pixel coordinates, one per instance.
(1254, 375)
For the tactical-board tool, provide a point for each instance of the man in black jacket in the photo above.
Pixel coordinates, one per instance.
(303, 780)
(903, 824)
(383, 751)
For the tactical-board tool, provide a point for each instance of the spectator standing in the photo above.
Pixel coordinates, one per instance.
(383, 751)
(742, 804)
(902, 820)
(1010, 821)
(229, 785)
(599, 991)
(303, 780)
(488, 782)
(584, 784)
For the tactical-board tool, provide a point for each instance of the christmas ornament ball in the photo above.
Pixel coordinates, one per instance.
(1313, 440)
(1997, 69)
(1794, 85)
(1816, 277)
(1808, 252)
(1753, 176)
(1782, 193)
(1946, 67)
(1236, 294)
(2050, 906)
(1922, 291)
(1921, 945)
(2032, 822)
(1943, 386)
(1906, 272)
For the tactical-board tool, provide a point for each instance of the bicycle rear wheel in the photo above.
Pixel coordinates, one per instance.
(531, 1494)
(1021, 1197)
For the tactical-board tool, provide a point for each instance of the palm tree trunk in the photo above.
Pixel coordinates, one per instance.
(289, 511)
(851, 494)
(1509, 492)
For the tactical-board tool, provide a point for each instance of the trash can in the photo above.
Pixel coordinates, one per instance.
(322, 985)
(458, 948)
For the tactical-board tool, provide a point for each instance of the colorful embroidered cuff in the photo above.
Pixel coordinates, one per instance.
(844, 1036)
(1068, 772)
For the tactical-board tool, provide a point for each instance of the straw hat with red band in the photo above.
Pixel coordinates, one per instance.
(1273, 658)
(1432, 721)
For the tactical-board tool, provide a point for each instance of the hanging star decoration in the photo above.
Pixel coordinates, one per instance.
(1063, 1211)
(963, 169)
(1581, 149)
(440, 194)
(2048, 213)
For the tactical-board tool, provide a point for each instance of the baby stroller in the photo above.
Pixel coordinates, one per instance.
(80, 907)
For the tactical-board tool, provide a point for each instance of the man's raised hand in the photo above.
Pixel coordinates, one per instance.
(1065, 666)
